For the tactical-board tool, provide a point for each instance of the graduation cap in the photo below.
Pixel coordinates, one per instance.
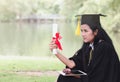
(89, 19)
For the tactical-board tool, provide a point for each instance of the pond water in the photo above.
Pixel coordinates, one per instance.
(32, 39)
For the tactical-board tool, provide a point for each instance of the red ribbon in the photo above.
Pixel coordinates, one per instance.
(57, 38)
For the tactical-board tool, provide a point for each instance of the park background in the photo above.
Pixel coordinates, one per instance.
(26, 31)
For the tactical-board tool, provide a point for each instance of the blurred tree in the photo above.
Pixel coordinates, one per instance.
(71, 7)
(115, 14)
(9, 9)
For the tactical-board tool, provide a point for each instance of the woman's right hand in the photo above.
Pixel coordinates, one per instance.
(52, 45)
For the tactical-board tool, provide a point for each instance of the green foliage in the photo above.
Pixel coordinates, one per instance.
(114, 5)
(9, 9)
(71, 7)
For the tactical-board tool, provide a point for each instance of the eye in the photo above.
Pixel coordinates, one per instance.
(85, 30)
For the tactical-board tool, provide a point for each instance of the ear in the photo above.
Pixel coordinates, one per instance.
(96, 32)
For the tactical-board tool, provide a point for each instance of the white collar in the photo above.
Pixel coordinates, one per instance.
(92, 46)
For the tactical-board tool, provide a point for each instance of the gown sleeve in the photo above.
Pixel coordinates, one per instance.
(77, 58)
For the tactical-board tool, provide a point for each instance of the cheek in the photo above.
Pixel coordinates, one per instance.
(91, 38)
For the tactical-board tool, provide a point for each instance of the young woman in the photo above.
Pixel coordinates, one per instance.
(97, 57)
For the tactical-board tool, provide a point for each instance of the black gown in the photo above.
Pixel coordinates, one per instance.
(104, 66)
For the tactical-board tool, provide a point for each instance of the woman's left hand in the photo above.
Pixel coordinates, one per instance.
(67, 70)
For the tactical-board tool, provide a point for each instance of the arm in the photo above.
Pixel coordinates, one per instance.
(62, 58)
(66, 61)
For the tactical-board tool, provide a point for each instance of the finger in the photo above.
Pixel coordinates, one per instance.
(53, 41)
(67, 70)
(52, 46)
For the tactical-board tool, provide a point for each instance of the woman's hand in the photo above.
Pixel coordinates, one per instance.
(67, 70)
(52, 45)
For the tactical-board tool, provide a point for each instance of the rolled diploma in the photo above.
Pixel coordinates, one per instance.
(54, 31)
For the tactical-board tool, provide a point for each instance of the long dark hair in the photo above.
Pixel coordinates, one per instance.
(101, 35)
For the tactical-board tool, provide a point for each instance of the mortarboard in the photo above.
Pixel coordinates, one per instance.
(90, 19)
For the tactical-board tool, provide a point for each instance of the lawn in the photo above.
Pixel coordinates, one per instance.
(10, 66)
(12, 77)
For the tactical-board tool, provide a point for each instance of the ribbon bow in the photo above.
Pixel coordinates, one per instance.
(57, 38)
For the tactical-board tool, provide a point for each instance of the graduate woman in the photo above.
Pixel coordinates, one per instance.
(97, 56)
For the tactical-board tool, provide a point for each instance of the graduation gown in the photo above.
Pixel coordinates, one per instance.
(104, 65)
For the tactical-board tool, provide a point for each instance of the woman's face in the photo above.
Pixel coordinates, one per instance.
(87, 33)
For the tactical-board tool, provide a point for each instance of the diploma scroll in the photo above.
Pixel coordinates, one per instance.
(56, 37)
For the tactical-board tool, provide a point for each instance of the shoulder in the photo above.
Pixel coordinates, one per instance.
(105, 50)
(103, 45)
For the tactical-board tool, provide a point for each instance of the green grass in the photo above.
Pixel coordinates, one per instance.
(11, 77)
(10, 65)
(31, 63)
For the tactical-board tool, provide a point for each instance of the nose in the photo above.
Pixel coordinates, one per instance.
(83, 34)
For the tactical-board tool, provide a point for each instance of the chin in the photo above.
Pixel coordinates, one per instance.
(86, 41)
